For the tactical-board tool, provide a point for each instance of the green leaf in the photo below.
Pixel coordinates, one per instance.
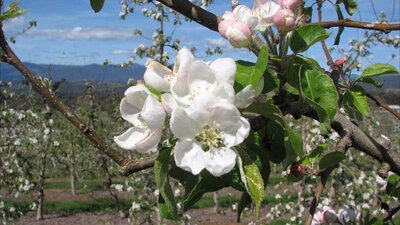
(323, 116)
(331, 159)
(314, 155)
(378, 69)
(274, 141)
(375, 221)
(320, 88)
(356, 98)
(97, 5)
(350, 5)
(12, 11)
(369, 80)
(293, 146)
(253, 178)
(318, 150)
(248, 73)
(271, 81)
(341, 29)
(393, 186)
(268, 110)
(167, 202)
(245, 201)
(209, 183)
(304, 37)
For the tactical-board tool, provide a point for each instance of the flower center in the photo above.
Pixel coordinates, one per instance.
(169, 77)
(210, 136)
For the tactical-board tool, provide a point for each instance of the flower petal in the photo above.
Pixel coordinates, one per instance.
(133, 102)
(169, 102)
(201, 77)
(150, 142)
(220, 161)
(245, 97)
(235, 127)
(155, 76)
(224, 70)
(183, 126)
(224, 91)
(131, 137)
(265, 12)
(183, 61)
(153, 113)
(245, 15)
(189, 156)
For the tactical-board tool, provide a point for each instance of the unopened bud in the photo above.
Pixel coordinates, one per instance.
(285, 20)
(294, 5)
(340, 62)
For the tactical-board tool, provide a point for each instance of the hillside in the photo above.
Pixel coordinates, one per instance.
(71, 73)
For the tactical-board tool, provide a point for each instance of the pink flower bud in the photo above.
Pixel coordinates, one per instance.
(340, 62)
(285, 20)
(293, 5)
(239, 35)
(236, 28)
(227, 19)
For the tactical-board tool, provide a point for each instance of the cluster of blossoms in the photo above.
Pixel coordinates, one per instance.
(199, 101)
(345, 215)
(238, 26)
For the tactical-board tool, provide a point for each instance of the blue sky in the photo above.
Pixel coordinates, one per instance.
(70, 33)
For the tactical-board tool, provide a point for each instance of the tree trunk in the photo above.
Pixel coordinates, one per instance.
(215, 199)
(42, 171)
(73, 177)
(108, 186)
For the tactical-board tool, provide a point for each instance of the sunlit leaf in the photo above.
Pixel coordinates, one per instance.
(331, 159)
(304, 37)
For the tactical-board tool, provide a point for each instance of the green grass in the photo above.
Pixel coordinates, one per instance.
(227, 201)
(93, 185)
(70, 207)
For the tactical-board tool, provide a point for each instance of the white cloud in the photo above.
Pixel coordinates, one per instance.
(121, 52)
(14, 24)
(79, 33)
(219, 42)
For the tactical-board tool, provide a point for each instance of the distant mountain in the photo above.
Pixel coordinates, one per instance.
(92, 72)
(391, 81)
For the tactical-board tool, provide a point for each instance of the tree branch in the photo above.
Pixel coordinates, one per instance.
(194, 12)
(367, 144)
(392, 212)
(382, 104)
(387, 28)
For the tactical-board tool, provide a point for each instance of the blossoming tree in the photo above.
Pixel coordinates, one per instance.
(223, 123)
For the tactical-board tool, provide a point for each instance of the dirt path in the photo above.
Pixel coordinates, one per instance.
(205, 216)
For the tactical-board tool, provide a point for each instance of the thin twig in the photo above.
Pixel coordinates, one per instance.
(387, 28)
(324, 47)
(383, 105)
(392, 212)
(343, 144)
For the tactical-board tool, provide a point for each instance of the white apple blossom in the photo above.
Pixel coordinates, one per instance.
(265, 10)
(216, 77)
(237, 26)
(160, 77)
(145, 112)
(207, 130)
